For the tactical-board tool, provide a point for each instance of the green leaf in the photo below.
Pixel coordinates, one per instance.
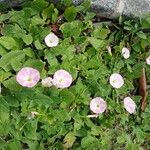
(90, 142)
(42, 99)
(14, 145)
(27, 39)
(38, 45)
(67, 96)
(4, 105)
(55, 15)
(89, 16)
(37, 20)
(17, 62)
(29, 52)
(8, 42)
(70, 13)
(6, 16)
(13, 31)
(72, 28)
(136, 71)
(84, 6)
(6, 59)
(30, 130)
(4, 75)
(3, 51)
(4, 115)
(145, 21)
(37, 64)
(12, 84)
(92, 63)
(141, 35)
(67, 2)
(47, 12)
(96, 43)
(101, 33)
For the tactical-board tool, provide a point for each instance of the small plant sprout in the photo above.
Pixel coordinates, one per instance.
(47, 82)
(125, 53)
(51, 40)
(62, 79)
(116, 80)
(28, 77)
(129, 105)
(98, 105)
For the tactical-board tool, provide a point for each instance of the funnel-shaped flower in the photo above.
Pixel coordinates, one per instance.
(51, 40)
(62, 79)
(98, 105)
(116, 80)
(28, 77)
(129, 105)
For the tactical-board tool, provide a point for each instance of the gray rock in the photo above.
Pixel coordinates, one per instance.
(105, 8)
(115, 8)
(5, 4)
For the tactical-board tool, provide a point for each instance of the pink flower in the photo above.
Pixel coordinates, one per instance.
(129, 105)
(28, 77)
(98, 105)
(116, 80)
(62, 79)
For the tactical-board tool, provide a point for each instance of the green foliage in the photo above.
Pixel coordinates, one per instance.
(73, 28)
(70, 13)
(61, 120)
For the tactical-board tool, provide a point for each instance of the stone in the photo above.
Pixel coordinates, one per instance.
(115, 8)
(6, 4)
(104, 8)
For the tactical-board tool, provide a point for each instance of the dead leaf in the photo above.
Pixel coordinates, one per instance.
(69, 140)
(55, 28)
(142, 89)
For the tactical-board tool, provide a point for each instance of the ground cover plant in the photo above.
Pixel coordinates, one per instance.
(70, 83)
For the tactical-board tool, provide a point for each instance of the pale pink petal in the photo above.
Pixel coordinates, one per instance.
(129, 105)
(62, 79)
(28, 77)
(98, 105)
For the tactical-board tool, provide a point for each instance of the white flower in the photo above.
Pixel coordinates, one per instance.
(125, 53)
(47, 82)
(62, 79)
(109, 50)
(98, 105)
(148, 60)
(116, 80)
(129, 105)
(51, 40)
